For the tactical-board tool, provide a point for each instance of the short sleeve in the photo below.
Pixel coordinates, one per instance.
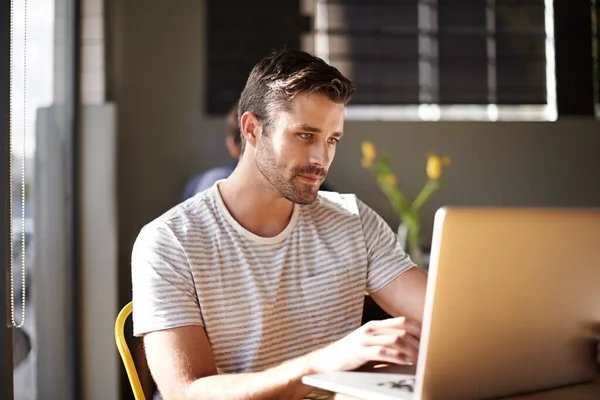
(386, 258)
(164, 294)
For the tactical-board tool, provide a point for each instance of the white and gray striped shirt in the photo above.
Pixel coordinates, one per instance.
(262, 300)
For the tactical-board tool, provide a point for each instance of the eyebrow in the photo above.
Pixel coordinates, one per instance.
(308, 128)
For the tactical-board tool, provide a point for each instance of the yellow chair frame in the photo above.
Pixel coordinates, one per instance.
(134, 379)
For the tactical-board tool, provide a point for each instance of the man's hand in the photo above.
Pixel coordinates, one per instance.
(394, 340)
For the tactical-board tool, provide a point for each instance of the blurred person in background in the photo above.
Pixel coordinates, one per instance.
(233, 141)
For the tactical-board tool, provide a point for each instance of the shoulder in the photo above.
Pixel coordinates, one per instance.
(338, 202)
(330, 206)
(348, 206)
(194, 215)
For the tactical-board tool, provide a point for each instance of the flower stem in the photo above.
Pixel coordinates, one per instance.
(430, 188)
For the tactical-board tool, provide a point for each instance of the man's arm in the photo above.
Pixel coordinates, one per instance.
(392, 279)
(405, 295)
(183, 366)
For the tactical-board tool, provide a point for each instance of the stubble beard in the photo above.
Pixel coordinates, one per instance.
(275, 173)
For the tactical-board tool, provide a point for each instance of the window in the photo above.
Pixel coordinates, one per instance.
(440, 59)
(31, 88)
(42, 109)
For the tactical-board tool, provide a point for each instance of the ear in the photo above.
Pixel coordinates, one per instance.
(250, 128)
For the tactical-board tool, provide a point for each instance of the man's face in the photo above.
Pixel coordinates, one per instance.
(296, 152)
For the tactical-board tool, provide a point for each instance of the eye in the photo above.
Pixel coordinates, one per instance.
(334, 140)
(306, 136)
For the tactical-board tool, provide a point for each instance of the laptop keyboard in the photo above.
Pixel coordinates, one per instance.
(407, 385)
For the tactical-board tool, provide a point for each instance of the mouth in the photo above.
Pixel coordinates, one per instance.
(310, 178)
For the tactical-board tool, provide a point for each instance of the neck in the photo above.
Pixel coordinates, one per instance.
(253, 202)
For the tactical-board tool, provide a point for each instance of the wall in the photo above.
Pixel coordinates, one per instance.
(155, 72)
(509, 164)
(98, 305)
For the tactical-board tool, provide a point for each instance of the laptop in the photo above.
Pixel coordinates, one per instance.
(512, 309)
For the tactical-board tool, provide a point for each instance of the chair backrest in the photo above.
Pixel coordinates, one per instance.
(132, 374)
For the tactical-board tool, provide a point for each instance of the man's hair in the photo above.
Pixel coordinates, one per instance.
(233, 125)
(282, 75)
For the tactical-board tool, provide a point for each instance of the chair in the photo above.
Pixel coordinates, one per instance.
(132, 374)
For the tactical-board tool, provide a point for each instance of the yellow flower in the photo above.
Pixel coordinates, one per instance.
(391, 179)
(369, 153)
(434, 167)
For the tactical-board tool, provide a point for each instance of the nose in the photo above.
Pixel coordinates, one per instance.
(321, 154)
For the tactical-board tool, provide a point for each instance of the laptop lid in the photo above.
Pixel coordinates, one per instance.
(513, 302)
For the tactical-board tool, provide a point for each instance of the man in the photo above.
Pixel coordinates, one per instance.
(233, 141)
(245, 288)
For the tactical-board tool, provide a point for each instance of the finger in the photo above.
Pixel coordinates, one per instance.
(389, 354)
(412, 347)
(409, 331)
(414, 328)
(401, 323)
(391, 339)
(388, 322)
(406, 344)
(398, 334)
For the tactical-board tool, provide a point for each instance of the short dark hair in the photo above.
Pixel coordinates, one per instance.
(281, 75)
(233, 125)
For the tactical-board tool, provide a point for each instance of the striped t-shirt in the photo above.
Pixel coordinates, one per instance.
(262, 300)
